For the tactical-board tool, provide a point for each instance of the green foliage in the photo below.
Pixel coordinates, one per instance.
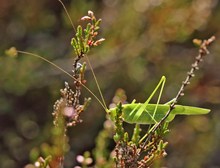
(119, 131)
(85, 39)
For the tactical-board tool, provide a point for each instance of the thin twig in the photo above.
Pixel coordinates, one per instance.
(203, 51)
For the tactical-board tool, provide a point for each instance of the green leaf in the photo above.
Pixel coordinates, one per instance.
(75, 46)
(79, 31)
(98, 22)
(88, 27)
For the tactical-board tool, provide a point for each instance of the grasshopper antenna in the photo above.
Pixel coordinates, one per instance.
(61, 69)
(68, 15)
(97, 83)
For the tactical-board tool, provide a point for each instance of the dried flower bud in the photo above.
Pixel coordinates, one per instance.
(197, 42)
(80, 158)
(99, 42)
(11, 52)
(95, 33)
(182, 94)
(69, 112)
(90, 13)
(86, 18)
(164, 154)
(37, 164)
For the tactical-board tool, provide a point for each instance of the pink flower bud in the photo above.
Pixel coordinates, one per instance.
(69, 111)
(86, 18)
(99, 42)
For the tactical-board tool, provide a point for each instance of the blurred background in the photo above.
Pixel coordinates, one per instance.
(145, 39)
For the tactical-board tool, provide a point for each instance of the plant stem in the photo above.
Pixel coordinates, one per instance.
(203, 51)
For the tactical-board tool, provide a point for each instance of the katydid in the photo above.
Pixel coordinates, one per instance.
(130, 112)
(145, 113)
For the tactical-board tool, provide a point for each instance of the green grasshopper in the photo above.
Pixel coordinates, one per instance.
(145, 113)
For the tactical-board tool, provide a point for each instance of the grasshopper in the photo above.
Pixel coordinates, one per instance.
(145, 113)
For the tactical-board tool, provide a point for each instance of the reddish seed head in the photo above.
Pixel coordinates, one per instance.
(90, 42)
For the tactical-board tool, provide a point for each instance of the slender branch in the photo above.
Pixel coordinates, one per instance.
(203, 51)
